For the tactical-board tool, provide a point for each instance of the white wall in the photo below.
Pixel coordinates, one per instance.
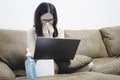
(72, 14)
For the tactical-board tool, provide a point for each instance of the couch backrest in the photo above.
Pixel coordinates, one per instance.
(13, 44)
(91, 42)
(111, 37)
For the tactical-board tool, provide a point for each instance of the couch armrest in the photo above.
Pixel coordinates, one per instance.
(5, 72)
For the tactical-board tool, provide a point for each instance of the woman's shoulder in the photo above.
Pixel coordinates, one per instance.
(32, 29)
(60, 33)
(31, 32)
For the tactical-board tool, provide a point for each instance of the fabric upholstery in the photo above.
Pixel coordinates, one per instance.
(107, 65)
(91, 43)
(20, 73)
(111, 37)
(78, 76)
(86, 68)
(5, 72)
(78, 62)
(13, 44)
(81, 76)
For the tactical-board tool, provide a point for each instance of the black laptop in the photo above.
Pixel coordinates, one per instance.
(55, 48)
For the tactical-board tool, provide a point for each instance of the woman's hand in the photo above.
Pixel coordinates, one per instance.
(48, 30)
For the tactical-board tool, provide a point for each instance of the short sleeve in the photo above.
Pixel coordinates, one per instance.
(60, 33)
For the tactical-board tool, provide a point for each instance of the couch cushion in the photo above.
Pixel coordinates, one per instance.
(20, 73)
(79, 76)
(107, 65)
(13, 44)
(111, 37)
(5, 72)
(91, 43)
(77, 63)
(86, 68)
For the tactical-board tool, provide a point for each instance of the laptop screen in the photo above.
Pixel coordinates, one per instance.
(55, 48)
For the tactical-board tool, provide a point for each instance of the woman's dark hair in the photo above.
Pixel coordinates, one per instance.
(41, 10)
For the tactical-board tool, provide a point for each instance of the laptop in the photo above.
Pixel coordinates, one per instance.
(55, 48)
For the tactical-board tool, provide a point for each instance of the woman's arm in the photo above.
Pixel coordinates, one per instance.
(31, 40)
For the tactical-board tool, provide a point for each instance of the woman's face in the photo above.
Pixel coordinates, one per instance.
(47, 18)
(47, 25)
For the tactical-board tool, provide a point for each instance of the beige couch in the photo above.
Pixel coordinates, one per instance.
(97, 57)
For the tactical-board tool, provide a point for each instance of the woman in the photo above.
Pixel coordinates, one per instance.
(45, 21)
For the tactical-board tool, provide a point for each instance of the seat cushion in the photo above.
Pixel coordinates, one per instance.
(106, 65)
(79, 76)
(20, 73)
(91, 42)
(5, 72)
(111, 37)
